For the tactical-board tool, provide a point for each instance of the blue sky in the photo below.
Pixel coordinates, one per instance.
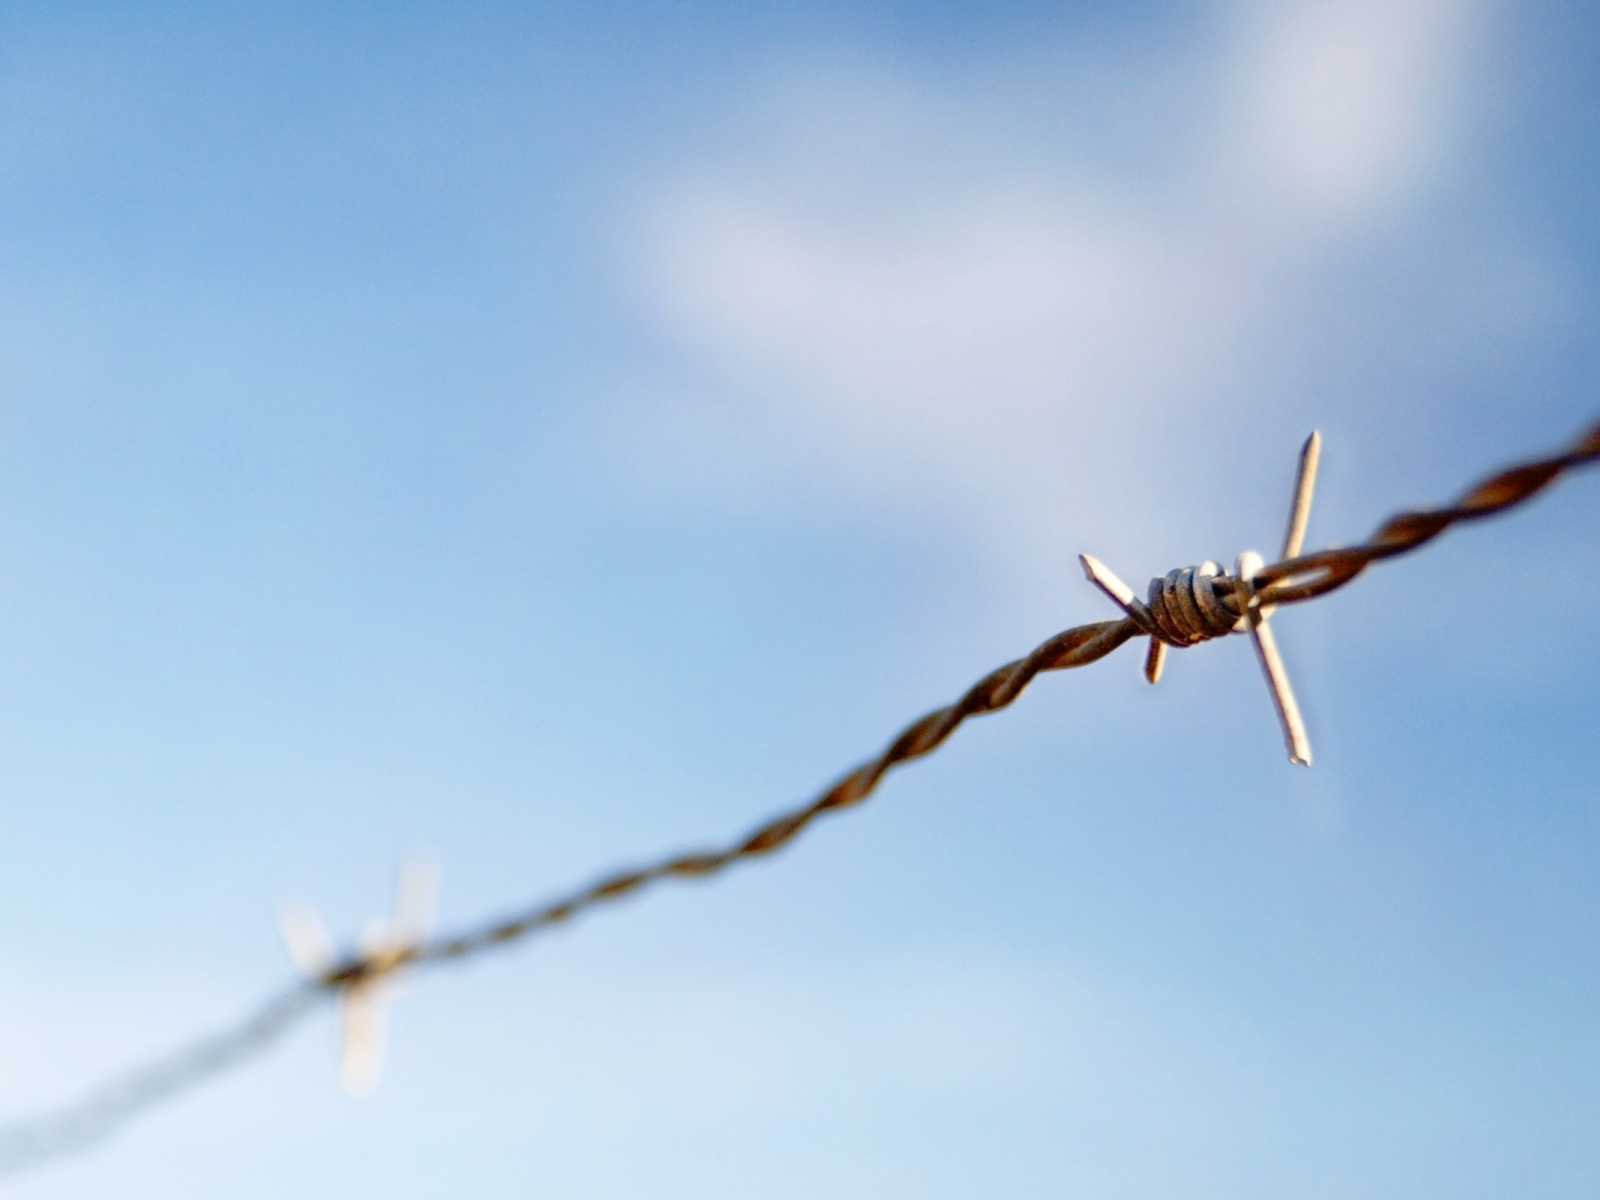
(552, 436)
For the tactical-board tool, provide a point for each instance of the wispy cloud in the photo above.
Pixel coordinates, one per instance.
(915, 298)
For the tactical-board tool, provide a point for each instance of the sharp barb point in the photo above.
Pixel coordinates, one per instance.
(1120, 594)
(1305, 485)
(1154, 659)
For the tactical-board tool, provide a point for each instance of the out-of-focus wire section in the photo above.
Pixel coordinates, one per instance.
(104, 1110)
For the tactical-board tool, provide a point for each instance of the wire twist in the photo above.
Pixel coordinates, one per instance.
(1192, 605)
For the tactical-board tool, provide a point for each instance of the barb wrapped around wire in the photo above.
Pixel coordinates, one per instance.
(1195, 604)
(1184, 607)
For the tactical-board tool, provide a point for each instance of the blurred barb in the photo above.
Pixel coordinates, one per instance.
(307, 940)
(366, 984)
(1221, 605)
(385, 946)
(363, 985)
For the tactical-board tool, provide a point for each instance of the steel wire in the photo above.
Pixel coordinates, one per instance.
(31, 1141)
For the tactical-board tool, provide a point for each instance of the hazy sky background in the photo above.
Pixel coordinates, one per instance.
(556, 435)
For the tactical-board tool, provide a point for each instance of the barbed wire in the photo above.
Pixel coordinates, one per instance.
(1184, 607)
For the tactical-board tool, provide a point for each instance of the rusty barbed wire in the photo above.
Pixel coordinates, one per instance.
(1186, 607)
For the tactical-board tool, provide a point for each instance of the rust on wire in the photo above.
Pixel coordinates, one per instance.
(1185, 607)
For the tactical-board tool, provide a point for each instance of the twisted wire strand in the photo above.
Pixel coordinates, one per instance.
(1074, 648)
(103, 1111)
(1312, 575)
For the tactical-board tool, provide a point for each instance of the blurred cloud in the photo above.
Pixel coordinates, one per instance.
(922, 294)
(313, 553)
(1349, 102)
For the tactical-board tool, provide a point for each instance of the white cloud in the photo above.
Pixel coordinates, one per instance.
(907, 295)
(1349, 100)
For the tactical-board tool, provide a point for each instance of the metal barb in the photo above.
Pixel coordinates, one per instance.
(1187, 607)
(366, 983)
(1283, 701)
(1154, 659)
(1256, 614)
(1305, 484)
(1104, 578)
